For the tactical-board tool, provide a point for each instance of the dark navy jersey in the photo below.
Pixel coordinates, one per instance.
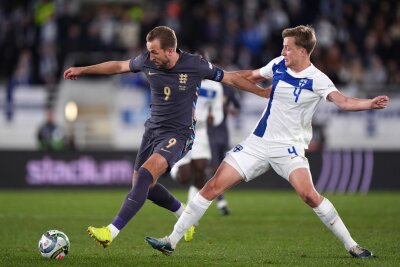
(174, 91)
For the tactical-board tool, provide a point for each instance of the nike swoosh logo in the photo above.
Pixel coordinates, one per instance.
(279, 72)
(165, 150)
(152, 73)
(130, 199)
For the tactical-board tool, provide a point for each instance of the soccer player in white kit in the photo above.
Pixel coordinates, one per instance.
(280, 138)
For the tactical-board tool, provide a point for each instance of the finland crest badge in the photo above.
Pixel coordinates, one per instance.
(237, 148)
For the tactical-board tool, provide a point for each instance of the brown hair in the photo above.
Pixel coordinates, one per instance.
(304, 36)
(166, 36)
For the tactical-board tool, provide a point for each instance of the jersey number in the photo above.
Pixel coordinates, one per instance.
(167, 93)
(171, 142)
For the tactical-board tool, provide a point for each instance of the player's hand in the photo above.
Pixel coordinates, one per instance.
(210, 119)
(233, 111)
(379, 102)
(72, 73)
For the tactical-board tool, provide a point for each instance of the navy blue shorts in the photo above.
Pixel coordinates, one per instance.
(171, 145)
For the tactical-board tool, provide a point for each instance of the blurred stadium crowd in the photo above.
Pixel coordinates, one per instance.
(359, 41)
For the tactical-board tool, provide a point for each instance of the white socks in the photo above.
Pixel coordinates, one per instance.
(179, 212)
(329, 216)
(191, 215)
(192, 192)
(114, 230)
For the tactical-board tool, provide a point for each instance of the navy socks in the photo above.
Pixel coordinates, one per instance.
(135, 198)
(163, 198)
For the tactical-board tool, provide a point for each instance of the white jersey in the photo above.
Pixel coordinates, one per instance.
(210, 100)
(294, 99)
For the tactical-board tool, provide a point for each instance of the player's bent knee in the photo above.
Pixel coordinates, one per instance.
(311, 198)
(210, 191)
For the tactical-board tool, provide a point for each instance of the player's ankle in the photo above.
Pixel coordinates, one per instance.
(113, 230)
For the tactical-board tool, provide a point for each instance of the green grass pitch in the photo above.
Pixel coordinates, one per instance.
(266, 228)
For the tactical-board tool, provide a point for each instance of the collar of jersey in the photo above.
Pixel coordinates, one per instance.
(310, 70)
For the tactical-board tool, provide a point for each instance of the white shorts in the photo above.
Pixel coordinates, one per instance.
(254, 156)
(200, 150)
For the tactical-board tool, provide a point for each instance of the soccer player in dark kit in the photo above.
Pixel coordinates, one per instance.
(175, 77)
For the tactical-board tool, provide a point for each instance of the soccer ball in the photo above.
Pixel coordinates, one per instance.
(54, 244)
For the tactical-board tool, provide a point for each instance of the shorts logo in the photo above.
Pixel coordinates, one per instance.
(237, 148)
(165, 150)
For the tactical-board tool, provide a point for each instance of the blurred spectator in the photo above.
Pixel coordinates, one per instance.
(278, 17)
(326, 32)
(23, 71)
(334, 63)
(251, 38)
(48, 64)
(106, 25)
(393, 72)
(50, 137)
(129, 30)
(352, 72)
(375, 72)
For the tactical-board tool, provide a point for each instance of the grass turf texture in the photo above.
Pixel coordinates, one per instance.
(266, 228)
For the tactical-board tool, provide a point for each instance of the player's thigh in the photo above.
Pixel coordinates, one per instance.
(249, 158)
(301, 180)
(171, 146)
(225, 178)
(145, 150)
(285, 159)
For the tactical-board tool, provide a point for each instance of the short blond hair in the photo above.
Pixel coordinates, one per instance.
(304, 36)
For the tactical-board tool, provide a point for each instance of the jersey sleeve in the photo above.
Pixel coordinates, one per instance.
(136, 64)
(210, 72)
(323, 86)
(267, 71)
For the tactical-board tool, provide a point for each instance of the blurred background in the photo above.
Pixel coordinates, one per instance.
(86, 132)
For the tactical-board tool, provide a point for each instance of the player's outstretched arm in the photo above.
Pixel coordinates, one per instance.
(253, 76)
(105, 68)
(357, 104)
(236, 80)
